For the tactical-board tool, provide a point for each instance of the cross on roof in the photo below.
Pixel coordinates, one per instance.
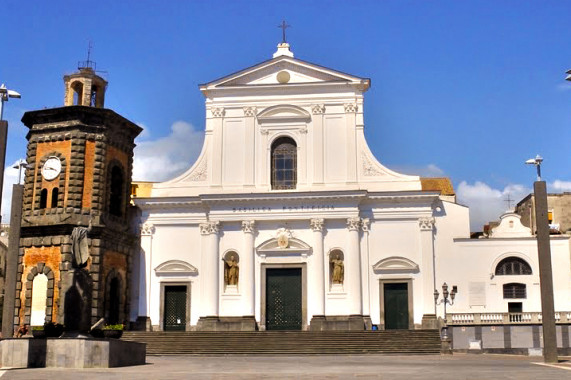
(283, 26)
(509, 201)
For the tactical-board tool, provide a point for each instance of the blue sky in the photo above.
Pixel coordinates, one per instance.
(464, 89)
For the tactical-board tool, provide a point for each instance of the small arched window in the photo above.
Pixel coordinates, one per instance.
(116, 195)
(77, 88)
(512, 266)
(284, 164)
(44, 198)
(514, 290)
(55, 193)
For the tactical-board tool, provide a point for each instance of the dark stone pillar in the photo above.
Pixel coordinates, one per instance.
(545, 273)
(8, 318)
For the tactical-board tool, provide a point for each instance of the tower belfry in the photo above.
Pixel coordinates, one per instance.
(85, 87)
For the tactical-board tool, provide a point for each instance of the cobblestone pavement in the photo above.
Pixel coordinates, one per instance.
(458, 366)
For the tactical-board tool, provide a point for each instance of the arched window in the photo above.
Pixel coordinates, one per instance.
(284, 164)
(93, 100)
(514, 290)
(77, 93)
(55, 193)
(116, 192)
(512, 266)
(44, 198)
(39, 300)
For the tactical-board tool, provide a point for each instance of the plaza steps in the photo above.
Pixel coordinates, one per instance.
(402, 342)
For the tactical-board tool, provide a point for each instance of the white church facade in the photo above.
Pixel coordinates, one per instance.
(287, 221)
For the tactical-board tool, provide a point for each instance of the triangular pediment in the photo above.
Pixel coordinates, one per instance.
(283, 70)
(395, 264)
(176, 268)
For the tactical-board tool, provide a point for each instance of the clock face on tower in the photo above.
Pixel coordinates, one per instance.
(51, 168)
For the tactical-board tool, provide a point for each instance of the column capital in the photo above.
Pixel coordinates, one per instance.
(249, 226)
(217, 111)
(316, 224)
(426, 223)
(365, 224)
(353, 223)
(147, 229)
(209, 228)
(250, 111)
(350, 107)
(318, 109)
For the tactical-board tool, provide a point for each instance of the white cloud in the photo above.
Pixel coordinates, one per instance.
(559, 186)
(486, 203)
(166, 157)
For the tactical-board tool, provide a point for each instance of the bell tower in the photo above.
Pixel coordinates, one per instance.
(78, 231)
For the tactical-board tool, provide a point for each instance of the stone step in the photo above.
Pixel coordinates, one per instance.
(288, 342)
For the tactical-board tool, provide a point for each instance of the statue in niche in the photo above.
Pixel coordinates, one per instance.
(338, 269)
(231, 271)
(79, 247)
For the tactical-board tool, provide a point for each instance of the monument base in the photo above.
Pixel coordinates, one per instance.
(245, 323)
(340, 323)
(429, 322)
(71, 353)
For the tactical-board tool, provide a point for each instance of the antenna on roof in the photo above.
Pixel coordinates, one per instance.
(88, 64)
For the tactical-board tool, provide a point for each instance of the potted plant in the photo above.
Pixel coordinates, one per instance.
(113, 331)
(53, 330)
(38, 332)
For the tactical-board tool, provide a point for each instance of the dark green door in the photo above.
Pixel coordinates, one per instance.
(396, 306)
(283, 299)
(175, 308)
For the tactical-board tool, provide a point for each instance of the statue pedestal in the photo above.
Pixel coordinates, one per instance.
(71, 353)
(245, 323)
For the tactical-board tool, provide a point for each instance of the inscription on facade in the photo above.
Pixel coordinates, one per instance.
(285, 208)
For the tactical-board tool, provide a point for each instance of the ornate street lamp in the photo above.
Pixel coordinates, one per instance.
(447, 298)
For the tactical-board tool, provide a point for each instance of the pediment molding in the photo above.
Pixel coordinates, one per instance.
(302, 72)
(395, 264)
(283, 113)
(296, 247)
(176, 268)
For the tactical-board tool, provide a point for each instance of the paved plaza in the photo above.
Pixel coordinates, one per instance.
(459, 366)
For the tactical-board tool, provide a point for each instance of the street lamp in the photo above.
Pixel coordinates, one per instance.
(545, 269)
(6, 94)
(537, 162)
(21, 164)
(447, 298)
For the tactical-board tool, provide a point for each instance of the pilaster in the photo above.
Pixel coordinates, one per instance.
(210, 283)
(317, 283)
(350, 116)
(318, 111)
(250, 164)
(217, 122)
(247, 268)
(426, 226)
(353, 266)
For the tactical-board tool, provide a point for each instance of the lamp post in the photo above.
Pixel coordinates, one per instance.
(545, 270)
(447, 298)
(5, 94)
(21, 164)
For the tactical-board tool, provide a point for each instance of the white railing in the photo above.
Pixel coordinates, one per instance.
(503, 318)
